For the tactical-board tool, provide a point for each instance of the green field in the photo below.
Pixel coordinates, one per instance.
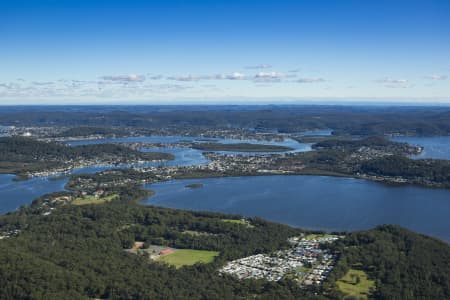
(94, 200)
(354, 287)
(196, 233)
(188, 257)
(243, 222)
(315, 236)
(303, 269)
(240, 221)
(296, 275)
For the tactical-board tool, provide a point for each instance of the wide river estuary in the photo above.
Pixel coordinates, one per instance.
(315, 202)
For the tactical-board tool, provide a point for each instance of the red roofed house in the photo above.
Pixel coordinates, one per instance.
(166, 251)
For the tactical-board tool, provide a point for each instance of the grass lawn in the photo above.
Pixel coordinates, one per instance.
(240, 221)
(303, 269)
(235, 221)
(196, 233)
(351, 287)
(188, 257)
(296, 275)
(93, 200)
(315, 236)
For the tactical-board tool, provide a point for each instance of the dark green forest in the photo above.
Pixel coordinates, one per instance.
(428, 169)
(19, 154)
(87, 130)
(22, 149)
(350, 120)
(77, 252)
(404, 265)
(373, 142)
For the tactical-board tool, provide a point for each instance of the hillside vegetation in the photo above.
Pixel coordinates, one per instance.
(78, 252)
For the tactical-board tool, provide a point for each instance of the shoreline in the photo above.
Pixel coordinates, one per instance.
(148, 192)
(308, 172)
(152, 193)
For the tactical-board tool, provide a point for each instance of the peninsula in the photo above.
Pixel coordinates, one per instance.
(240, 147)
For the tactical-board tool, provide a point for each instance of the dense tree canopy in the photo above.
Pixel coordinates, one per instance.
(405, 265)
(77, 252)
(356, 120)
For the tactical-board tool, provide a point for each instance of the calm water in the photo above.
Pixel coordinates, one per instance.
(318, 132)
(14, 194)
(183, 156)
(132, 139)
(298, 147)
(305, 201)
(435, 147)
(315, 202)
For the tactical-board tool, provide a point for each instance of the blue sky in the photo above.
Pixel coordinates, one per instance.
(224, 51)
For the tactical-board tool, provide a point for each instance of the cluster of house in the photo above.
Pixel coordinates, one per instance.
(8, 234)
(29, 131)
(49, 172)
(319, 261)
(234, 163)
(106, 161)
(231, 133)
(260, 163)
(48, 205)
(152, 251)
(305, 261)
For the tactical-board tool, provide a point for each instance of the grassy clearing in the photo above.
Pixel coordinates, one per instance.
(298, 274)
(243, 222)
(94, 200)
(240, 221)
(355, 284)
(196, 233)
(303, 269)
(315, 236)
(188, 257)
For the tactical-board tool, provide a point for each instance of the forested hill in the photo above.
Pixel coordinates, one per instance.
(354, 120)
(77, 252)
(27, 149)
(373, 142)
(21, 154)
(82, 131)
(404, 264)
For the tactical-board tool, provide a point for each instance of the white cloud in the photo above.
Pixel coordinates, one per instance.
(42, 83)
(436, 77)
(310, 80)
(185, 78)
(155, 77)
(259, 66)
(235, 76)
(270, 76)
(9, 86)
(394, 83)
(232, 76)
(124, 78)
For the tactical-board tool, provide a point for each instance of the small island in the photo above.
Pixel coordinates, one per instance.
(194, 185)
(241, 147)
